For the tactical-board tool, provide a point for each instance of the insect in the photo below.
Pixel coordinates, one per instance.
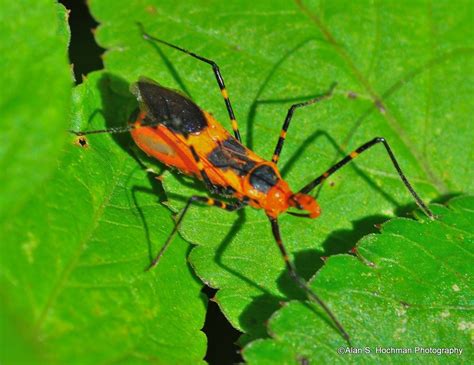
(171, 128)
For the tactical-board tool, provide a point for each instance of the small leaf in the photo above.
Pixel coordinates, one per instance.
(416, 292)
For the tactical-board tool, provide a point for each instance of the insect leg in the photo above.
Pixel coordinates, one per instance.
(208, 201)
(217, 73)
(357, 152)
(115, 130)
(289, 115)
(301, 282)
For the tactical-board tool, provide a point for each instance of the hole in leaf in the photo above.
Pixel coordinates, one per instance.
(82, 142)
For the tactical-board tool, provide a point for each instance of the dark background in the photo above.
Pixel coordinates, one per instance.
(85, 55)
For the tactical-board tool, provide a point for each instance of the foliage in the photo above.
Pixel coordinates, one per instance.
(402, 73)
(76, 242)
(409, 288)
(79, 224)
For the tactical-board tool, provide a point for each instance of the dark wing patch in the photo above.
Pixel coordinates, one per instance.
(230, 154)
(234, 145)
(169, 108)
(263, 178)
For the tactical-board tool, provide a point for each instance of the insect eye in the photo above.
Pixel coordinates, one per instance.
(263, 178)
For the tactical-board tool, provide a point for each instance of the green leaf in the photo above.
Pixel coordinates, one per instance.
(35, 106)
(35, 103)
(73, 263)
(403, 72)
(410, 288)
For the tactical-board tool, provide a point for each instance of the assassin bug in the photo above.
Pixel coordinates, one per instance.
(171, 128)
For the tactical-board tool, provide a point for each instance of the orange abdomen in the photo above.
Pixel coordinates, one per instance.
(158, 142)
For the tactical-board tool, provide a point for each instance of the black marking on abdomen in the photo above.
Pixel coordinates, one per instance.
(234, 145)
(168, 107)
(231, 154)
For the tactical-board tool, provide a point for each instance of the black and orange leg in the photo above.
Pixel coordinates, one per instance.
(356, 153)
(201, 199)
(217, 73)
(301, 282)
(289, 116)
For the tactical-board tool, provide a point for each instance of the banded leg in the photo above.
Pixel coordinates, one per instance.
(208, 201)
(116, 130)
(217, 73)
(357, 152)
(289, 115)
(301, 282)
